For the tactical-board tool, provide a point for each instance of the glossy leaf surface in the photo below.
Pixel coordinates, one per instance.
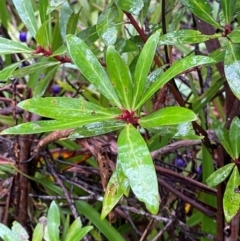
(112, 195)
(106, 27)
(8, 46)
(220, 175)
(7, 234)
(97, 128)
(64, 16)
(167, 116)
(120, 77)
(234, 136)
(131, 6)
(231, 199)
(90, 67)
(185, 37)
(178, 67)
(137, 165)
(18, 229)
(201, 9)
(143, 66)
(66, 108)
(234, 36)
(53, 222)
(26, 13)
(228, 7)
(232, 68)
(122, 179)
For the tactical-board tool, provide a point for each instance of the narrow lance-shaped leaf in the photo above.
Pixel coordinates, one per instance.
(26, 13)
(234, 137)
(106, 27)
(137, 165)
(19, 230)
(186, 36)
(131, 6)
(112, 195)
(52, 125)
(8, 46)
(167, 116)
(220, 175)
(120, 77)
(201, 9)
(5, 232)
(90, 67)
(97, 128)
(228, 7)
(53, 222)
(66, 108)
(232, 68)
(231, 198)
(177, 68)
(143, 66)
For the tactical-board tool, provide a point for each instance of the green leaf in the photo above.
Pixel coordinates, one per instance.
(38, 232)
(8, 46)
(131, 6)
(97, 128)
(90, 67)
(180, 131)
(53, 221)
(223, 137)
(43, 36)
(18, 229)
(6, 72)
(32, 68)
(26, 13)
(186, 36)
(143, 66)
(102, 225)
(232, 68)
(120, 77)
(218, 54)
(167, 116)
(234, 137)
(7, 235)
(89, 35)
(72, 23)
(220, 175)
(122, 180)
(106, 27)
(231, 199)
(66, 108)
(137, 165)
(40, 89)
(228, 7)
(112, 195)
(75, 232)
(43, 5)
(201, 9)
(54, 4)
(178, 67)
(234, 36)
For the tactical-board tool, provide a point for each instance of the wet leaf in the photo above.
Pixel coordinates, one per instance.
(186, 36)
(90, 67)
(53, 222)
(220, 175)
(143, 66)
(167, 116)
(231, 199)
(137, 165)
(178, 67)
(66, 108)
(120, 77)
(234, 136)
(97, 128)
(228, 7)
(8, 46)
(131, 6)
(112, 195)
(201, 9)
(26, 13)
(18, 229)
(106, 27)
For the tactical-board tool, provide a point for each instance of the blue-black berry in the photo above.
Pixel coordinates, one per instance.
(56, 89)
(199, 169)
(23, 36)
(179, 162)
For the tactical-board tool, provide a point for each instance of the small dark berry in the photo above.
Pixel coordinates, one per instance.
(56, 89)
(179, 162)
(199, 170)
(23, 36)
